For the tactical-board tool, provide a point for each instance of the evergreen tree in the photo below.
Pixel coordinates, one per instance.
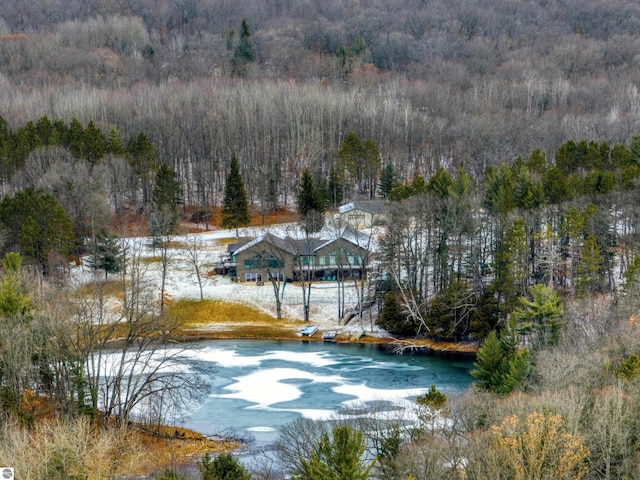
(337, 457)
(114, 145)
(59, 133)
(450, 312)
(244, 51)
(94, 143)
(107, 255)
(440, 183)
(540, 316)
(393, 319)
(499, 189)
(370, 167)
(14, 295)
(235, 206)
(387, 180)
(35, 223)
(142, 159)
(500, 366)
(310, 203)
(349, 158)
(537, 162)
(511, 264)
(165, 198)
(75, 141)
(223, 467)
(589, 274)
(44, 128)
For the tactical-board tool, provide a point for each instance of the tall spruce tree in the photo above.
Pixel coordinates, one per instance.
(387, 180)
(165, 198)
(107, 254)
(310, 203)
(500, 366)
(235, 206)
(244, 52)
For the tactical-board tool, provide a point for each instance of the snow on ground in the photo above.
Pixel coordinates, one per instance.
(211, 247)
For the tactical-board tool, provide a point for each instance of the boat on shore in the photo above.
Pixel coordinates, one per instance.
(308, 331)
(329, 336)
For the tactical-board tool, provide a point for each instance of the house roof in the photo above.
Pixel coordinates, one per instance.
(232, 247)
(271, 239)
(370, 206)
(295, 246)
(351, 235)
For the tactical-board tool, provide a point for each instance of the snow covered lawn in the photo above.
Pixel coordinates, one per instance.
(211, 246)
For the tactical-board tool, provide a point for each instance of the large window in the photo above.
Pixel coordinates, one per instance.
(264, 262)
(253, 277)
(327, 260)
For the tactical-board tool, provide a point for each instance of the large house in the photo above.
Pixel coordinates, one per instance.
(270, 256)
(364, 213)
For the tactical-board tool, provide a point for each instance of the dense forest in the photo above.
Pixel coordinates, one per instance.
(470, 84)
(504, 134)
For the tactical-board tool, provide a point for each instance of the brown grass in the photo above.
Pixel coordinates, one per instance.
(218, 319)
(210, 311)
(168, 445)
(109, 288)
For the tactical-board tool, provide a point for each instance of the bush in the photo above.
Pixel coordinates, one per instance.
(223, 467)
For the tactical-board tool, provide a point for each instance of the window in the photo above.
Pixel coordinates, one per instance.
(326, 260)
(306, 260)
(275, 263)
(253, 262)
(252, 277)
(276, 276)
(353, 260)
(260, 261)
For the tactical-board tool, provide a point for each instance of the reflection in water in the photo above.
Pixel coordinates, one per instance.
(257, 386)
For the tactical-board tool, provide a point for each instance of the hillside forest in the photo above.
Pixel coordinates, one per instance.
(503, 134)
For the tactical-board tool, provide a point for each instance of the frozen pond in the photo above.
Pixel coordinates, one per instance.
(258, 386)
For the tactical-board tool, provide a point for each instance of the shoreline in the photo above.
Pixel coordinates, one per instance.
(394, 345)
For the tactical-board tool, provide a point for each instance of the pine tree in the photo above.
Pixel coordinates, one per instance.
(387, 180)
(540, 315)
(76, 139)
(223, 467)
(142, 159)
(35, 223)
(94, 143)
(165, 198)
(370, 167)
(589, 270)
(44, 127)
(338, 456)
(349, 157)
(500, 366)
(244, 51)
(310, 203)
(107, 255)
(114, 142)
(235, 206)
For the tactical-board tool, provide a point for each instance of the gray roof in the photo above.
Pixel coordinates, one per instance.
(307, 246)
(271, 239)
(351, 235)
(370, 206)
